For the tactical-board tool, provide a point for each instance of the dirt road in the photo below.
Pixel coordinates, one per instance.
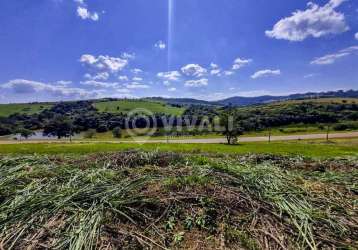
(207, 141)
(263, 138)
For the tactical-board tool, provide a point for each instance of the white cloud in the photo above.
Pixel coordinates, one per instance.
(169, 76)
(63, 83)
(172, 89)
(137, 71)
(123, 78)
(84, 13)
(98, 84)
(315, 21)
(80, 1)
(310, 75)
(136, 85)
(332, 58)
(214, 65)
(122, 90)
(215, 69)
(22, 86)
(100, 76)
(265, 73)
(228, 73)
(239, 63)
(129, 56)
(356, 36)
(215, 72)
(137, 79)
(160, 45)
(104, 63)
(197, 83)
(194, 70)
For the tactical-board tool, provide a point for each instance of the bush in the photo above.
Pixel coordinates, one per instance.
(345, 126)
(102, 128)
(117, 133)
(89, 134)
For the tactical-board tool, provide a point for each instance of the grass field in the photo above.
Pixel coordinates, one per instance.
(156, 200)
(126, 106)
(9, 109)
(316, 149)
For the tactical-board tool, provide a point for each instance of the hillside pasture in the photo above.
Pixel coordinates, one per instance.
(125, 106)
(23, 108)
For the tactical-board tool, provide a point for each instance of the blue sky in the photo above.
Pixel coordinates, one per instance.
(78, 49)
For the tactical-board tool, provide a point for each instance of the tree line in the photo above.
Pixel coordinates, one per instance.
(67, 118)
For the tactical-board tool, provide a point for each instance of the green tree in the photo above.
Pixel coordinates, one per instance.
(230, 124)
(60, 127)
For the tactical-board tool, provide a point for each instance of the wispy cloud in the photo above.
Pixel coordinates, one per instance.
(136, 85)
(266, 73)
(99, 84)
(310, 75)
(100, 76)
(332, 58)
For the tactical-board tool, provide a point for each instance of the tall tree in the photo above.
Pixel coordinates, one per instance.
(60, 126)
(231, 125)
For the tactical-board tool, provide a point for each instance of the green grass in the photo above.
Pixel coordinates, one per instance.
(141, 135)
(319, 149)
(126, 106)
(28, 108)
(299, 129)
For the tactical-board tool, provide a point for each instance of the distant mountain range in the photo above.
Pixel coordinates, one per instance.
(245, 101)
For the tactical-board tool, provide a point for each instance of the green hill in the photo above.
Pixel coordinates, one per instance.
(26, 108)
(125, 106)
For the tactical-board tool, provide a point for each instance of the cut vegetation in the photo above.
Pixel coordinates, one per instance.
(153, 200)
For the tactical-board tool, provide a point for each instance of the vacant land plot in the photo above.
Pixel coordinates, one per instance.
(126, 106)
(156, 200)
